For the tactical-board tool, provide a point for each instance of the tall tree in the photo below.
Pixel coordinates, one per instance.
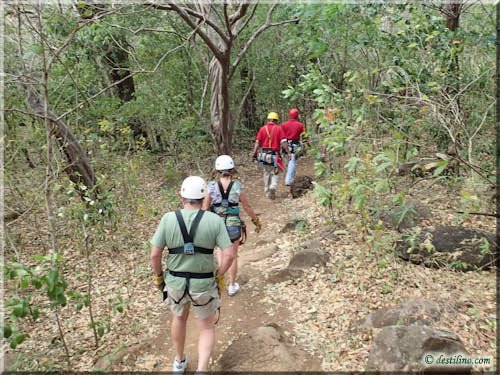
(34, 80)
(219, 26)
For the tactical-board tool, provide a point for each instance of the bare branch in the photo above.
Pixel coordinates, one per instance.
(185, 12)
(203, 95)
(247, 21)
(242, 10)
(32, 114)
(142, 29)
(245, 96)
(210, 44)
(260, 30)
(118, 82)
(471, 83)
(489, 14)
(440, 9)
(227, 22)
(497, 215)
(20, 44)
(73, 34)
(202, 17)
(478, 128)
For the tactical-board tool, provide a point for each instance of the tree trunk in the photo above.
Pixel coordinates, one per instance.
(118, 62)
(221, 127)
(78, 169)
(249, 115)
(452, 16)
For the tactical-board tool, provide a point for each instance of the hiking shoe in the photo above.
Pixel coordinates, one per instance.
(232, 289)
(272, 194)
(180, 366)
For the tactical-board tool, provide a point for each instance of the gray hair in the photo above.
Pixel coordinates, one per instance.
(193, 201)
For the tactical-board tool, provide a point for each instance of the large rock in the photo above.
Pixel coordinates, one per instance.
(308, 258)
(265, 349)
(407, 216)
(300, 186)
(312, 255)
(417, 311)
(414, 348)
(282, 275)
(449, 246)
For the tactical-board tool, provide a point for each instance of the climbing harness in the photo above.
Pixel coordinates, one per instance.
(268, 156)
(189, 249)
(295, 147)
(225, 196)
(228, 209)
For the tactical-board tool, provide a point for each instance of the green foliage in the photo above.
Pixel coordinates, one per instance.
(374, 83)
(45, 276)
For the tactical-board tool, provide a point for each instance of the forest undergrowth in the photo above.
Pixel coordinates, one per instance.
(362, 275)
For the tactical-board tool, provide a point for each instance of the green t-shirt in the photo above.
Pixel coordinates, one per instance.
(211, 232)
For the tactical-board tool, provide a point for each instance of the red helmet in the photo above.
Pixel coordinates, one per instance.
(294, 113)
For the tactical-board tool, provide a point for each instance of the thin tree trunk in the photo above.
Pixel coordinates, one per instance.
(118, 63)
(249, 115)
(78, 168)
(452, 13)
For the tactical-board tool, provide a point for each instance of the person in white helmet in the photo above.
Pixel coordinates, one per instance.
(224, 197)
(190, 236)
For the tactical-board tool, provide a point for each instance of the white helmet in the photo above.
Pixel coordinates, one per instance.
(224, 163)
(193, 187)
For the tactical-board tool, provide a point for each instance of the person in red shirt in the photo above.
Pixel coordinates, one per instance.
(293, 129)
(271, 139)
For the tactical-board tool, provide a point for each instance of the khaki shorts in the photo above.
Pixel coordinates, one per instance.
(200, 312)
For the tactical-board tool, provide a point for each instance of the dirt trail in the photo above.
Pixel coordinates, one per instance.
(245, 311)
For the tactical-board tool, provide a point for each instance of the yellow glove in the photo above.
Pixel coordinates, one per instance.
(258, 225)
(158, 281)
(219, 279)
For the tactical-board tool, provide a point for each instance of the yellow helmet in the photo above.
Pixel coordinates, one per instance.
(273, 116)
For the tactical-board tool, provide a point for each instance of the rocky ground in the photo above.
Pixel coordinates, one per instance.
(309, 316)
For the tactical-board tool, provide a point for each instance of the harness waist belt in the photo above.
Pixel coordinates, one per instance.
(268, 150)
(192, 275)
(180, 250)
(229, 204)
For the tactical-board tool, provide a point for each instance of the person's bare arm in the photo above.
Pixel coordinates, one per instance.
(227, 258)
(256, 148)
(246, 205)
(156, 255)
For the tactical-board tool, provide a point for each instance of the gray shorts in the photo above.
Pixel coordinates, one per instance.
(200, 312)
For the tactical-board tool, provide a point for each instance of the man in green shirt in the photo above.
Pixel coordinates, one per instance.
(190, 235)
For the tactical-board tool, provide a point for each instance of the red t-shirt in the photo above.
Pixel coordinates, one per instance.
(293, 129)
(276, 134)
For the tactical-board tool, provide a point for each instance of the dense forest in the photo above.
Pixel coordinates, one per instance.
(109, 105)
